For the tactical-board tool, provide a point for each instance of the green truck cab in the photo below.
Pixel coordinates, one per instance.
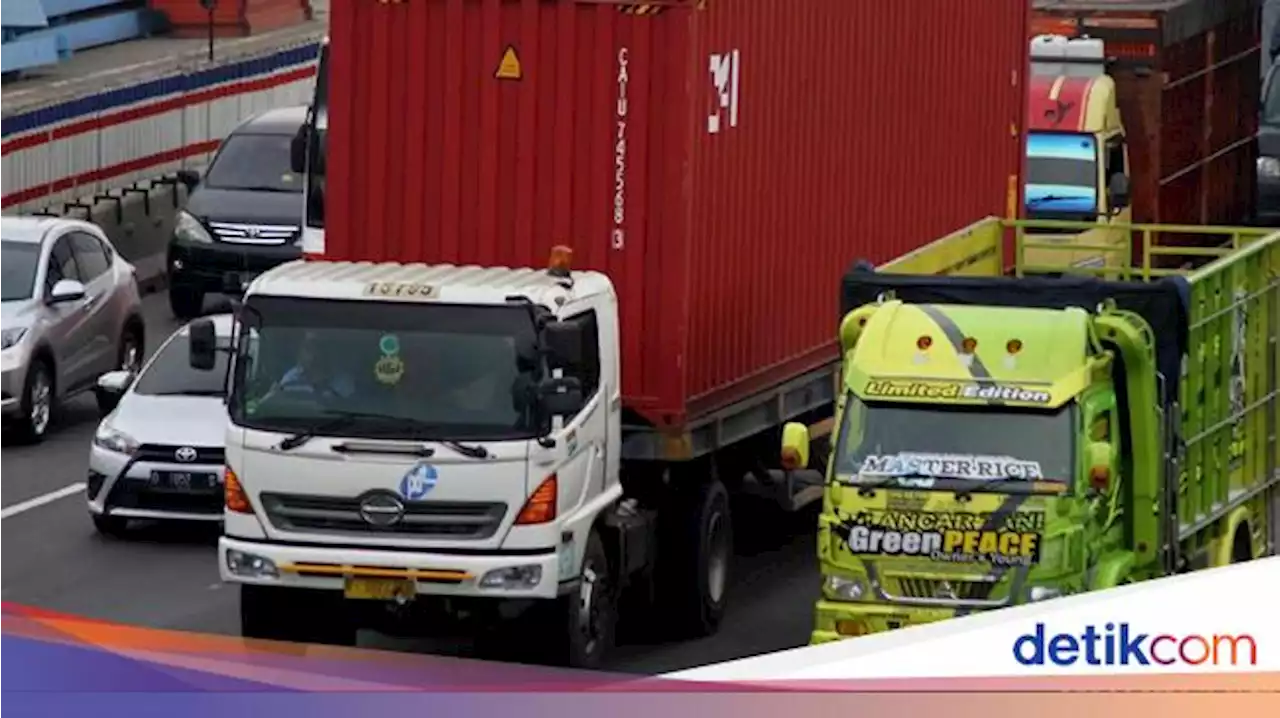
(1006, 439)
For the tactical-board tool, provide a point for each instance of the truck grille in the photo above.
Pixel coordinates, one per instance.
(331, 514)
(254, 233)
(953, 589)
(168, 454)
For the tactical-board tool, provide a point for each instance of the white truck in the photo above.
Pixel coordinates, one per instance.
(411, 438)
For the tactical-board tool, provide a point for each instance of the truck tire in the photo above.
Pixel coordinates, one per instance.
(584, 623)
(300, 615)
(694, 555)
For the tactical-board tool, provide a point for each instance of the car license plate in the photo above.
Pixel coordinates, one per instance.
(193, 481)
(380, 589)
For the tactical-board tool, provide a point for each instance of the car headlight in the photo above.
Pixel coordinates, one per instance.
(114, 440)
(842, 588)
(13, 335)
(1269, 166)
(1042, 593)
(189, 229)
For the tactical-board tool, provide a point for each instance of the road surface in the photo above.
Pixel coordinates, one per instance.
(168, 577)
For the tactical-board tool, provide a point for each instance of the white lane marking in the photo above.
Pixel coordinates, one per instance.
(39, 501)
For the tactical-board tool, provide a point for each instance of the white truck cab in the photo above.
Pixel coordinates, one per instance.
(406, 439)
(408, 430)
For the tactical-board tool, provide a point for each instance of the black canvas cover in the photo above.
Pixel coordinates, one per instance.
(1164, 303)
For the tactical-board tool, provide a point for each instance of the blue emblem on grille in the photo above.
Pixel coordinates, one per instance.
(418, 482)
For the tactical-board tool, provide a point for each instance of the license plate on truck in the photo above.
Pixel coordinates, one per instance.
(380, 589)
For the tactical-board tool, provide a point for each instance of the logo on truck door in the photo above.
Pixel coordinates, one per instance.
(725, 80)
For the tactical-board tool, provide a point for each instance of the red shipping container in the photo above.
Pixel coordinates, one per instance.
(722, 161)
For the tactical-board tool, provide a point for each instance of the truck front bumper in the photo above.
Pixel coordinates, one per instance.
(529, 576)
(838, 620)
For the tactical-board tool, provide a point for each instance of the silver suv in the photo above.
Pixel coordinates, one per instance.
(72, 312)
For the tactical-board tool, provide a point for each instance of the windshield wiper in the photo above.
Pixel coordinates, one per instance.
(1049, 198)
(263, 188)
(337, 421)
(345, 418)
(975, 484)
(190, 392)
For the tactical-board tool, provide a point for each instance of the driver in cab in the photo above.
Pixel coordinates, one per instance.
(312, 375)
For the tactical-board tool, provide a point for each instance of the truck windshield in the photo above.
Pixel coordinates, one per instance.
(319, 119)
(1062, 174)
(996, 449)
(409, 370)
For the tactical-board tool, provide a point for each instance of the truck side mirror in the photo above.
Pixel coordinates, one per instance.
(795, 446)
(298, 151)
(1118, 191)
(1100, 456)
(203, 344)
(562, 343)
(560, 396)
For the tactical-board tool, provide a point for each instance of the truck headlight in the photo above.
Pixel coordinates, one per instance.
(1269, 166)
(513, 577)
(250, 565)
(189, 229)
(843, 588)
(1042, 593)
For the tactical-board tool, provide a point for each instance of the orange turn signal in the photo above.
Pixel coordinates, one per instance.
(1014, 346)
(541, 507)
(924, 342)
(968, 345)
(235, 497)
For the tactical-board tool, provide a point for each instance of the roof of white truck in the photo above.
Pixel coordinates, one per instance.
(392, 281)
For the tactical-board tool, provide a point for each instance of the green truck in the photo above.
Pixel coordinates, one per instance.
(1009, 439)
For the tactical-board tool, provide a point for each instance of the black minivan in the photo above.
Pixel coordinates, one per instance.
(242, 217)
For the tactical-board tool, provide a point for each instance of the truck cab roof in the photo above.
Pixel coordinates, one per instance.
(1008, 344)
(1069, 89)
(441, 283)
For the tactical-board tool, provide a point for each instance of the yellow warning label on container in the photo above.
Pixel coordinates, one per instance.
(509, 66)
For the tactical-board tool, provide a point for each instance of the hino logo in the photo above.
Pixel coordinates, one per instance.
(185, 454)
(381, 509)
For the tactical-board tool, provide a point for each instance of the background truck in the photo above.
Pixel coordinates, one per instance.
(1003, 440)
(1162, 129)
(705, 163)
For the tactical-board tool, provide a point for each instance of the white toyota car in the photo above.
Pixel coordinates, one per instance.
(159, 453)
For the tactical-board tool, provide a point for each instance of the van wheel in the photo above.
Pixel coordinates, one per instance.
(299, 615)
(37, 404)
(694, 556)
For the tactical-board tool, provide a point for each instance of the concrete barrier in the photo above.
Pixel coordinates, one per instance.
(138, 220)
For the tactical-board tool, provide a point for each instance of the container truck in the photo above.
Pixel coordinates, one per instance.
(694, 170)
(1003, 440)
(1143, 112)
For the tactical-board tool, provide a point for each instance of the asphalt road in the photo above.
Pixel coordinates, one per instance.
(167, 576)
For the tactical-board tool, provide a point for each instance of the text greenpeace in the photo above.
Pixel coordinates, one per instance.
(1001, 540)
(1118, 644)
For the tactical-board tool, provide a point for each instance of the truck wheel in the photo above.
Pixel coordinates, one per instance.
(694, 555)
(585, 621)
(300, 615)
